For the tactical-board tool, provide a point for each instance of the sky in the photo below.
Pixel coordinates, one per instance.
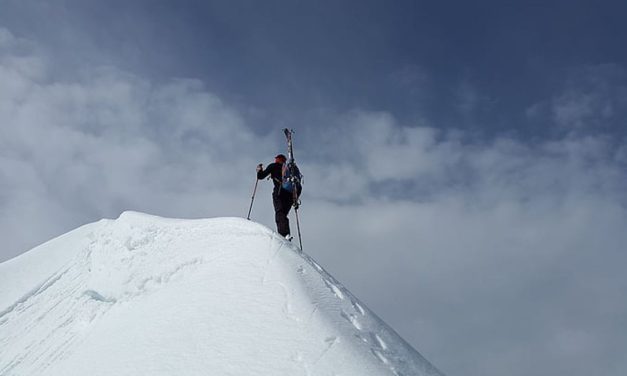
(465, 162)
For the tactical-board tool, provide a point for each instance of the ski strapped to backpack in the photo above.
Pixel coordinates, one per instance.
(291, 176)
(292, 180)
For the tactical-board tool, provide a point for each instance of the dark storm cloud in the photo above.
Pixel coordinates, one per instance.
(464, 162)
(471, 65)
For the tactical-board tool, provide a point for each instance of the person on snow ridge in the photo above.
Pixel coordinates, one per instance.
(282, 199)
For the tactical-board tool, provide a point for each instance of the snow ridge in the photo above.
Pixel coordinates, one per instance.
(149, 295)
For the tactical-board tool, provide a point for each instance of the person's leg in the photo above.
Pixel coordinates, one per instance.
(281, 210)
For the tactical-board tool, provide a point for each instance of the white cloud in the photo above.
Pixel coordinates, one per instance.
(594, 97)
(575, 109)
(94, 146)
(504, 244)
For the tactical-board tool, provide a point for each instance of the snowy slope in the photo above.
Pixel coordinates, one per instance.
(144, 295)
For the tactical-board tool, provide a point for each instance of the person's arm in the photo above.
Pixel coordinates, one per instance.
(261, 173)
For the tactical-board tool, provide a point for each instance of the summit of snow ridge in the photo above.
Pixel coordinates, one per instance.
(144, 294)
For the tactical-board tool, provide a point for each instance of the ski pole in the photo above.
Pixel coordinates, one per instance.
(296, 205)
(252, 199)
(300, 239)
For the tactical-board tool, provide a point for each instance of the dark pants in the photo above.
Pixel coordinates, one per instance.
(282, 204)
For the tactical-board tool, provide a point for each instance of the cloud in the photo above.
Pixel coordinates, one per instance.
(90, 147)
(497, 244)
(594, 98)
(497, 256)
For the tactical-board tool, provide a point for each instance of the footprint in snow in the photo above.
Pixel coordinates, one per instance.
(380, 356)
(362, 338)
(378, 341)
(336, 290)
(352, 319)
(358, 308)
(98, 297)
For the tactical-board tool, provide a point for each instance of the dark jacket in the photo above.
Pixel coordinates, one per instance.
(275, 170)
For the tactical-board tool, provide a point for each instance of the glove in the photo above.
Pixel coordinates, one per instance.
(259, 167)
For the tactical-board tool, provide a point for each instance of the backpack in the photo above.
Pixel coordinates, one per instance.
(291, 177)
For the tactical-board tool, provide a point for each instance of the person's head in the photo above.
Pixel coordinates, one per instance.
(280, 158)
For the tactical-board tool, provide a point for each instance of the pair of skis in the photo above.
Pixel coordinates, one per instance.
(295, 177)
(294, 174)
(295, 180)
